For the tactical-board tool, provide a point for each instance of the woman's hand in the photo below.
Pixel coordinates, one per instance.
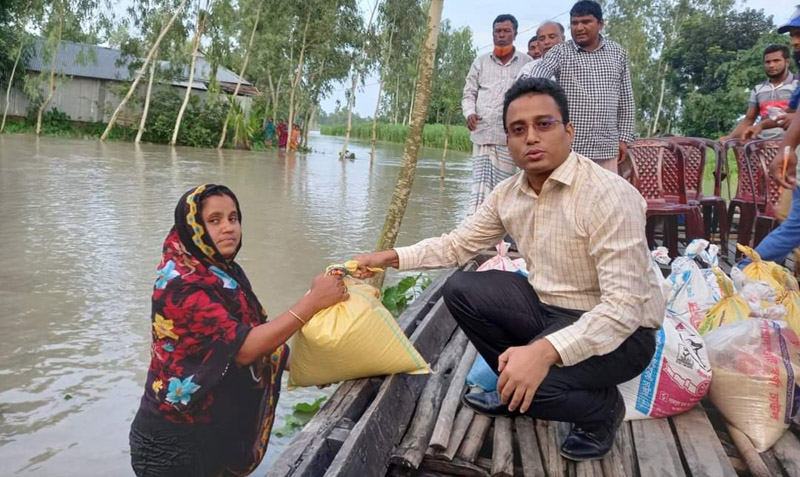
(383, 259)
(327, 290)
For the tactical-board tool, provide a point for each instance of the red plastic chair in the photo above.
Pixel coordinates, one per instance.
(713, 205)
(659, 175)
(767, 192)
(746, 200)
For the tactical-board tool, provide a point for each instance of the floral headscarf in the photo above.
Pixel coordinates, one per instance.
(202, 310)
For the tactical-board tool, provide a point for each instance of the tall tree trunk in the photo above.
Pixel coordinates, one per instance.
(378, 102)
(297, 78)
(10, 82)
(201, 24)
(52, 87)
(147, 96)
(138, 78)
(356, 73)
(446, 140)
(241, 75)
(405, 179)
(654, 126)
(396, 101)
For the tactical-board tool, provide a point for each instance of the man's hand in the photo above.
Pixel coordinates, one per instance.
(785, 120)
(623, 151)
(383, 259)
(522, 370)
(472, 121)
(776, 169)
(752, 132)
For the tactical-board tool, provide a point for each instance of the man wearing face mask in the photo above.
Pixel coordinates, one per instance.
(768, 100)
(488, 80)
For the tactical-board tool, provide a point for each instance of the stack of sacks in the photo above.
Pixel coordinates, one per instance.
(692, 291)
(679, 374)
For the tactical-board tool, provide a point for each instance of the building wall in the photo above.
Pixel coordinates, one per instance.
(93, 100)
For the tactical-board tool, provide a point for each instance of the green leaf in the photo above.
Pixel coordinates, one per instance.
(309, 407)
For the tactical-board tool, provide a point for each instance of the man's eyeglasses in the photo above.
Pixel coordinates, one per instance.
(541, 125)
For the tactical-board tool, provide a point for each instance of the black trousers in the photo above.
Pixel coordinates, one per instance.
(498, 310)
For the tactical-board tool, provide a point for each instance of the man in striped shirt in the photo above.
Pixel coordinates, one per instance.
(488, 80)
(593, 71)
(584, 321)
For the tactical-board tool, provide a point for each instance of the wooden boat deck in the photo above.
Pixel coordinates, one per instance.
(416, 426)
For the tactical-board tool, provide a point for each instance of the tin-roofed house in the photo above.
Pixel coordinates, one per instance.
(97, 76)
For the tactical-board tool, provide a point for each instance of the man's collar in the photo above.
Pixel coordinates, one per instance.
(788, 79)
(600, 44)
(565, 174)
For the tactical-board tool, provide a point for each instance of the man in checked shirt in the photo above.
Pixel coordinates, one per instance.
(593, 71)
(585, 319)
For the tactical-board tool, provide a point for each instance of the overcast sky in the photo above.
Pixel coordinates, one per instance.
(478, 15)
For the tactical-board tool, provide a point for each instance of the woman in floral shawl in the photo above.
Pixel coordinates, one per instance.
(216, 363)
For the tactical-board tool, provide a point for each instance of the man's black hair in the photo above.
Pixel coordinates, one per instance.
(533, 38)
(529, 85)
(587, 7)
(506, 18)
(776, 48)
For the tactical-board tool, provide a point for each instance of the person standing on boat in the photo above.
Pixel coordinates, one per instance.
(584, 320)
(488, 80)
(533, 48)
(548, 35)
(216, 362)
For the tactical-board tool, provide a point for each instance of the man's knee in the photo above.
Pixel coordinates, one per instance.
(456, 287)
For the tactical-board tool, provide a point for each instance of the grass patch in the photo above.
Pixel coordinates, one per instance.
(432, 135)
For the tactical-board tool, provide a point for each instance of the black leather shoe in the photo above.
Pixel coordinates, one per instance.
(487, 403)
(590, 443)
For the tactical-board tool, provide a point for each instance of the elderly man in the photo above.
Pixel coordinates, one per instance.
(548, 35)
(584, 319)
(488, 80)
(593, 71)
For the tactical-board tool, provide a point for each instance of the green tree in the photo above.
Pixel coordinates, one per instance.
(408, 167)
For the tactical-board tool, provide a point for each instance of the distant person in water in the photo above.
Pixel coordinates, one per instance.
(295, 138)
(283, 134)
(269, 131)
(215, 361)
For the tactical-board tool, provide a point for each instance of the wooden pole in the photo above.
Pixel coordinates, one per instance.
(444, 424)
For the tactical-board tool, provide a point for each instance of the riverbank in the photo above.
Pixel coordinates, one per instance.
(432, 135)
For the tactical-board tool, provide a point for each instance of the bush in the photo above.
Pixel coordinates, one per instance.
(432, 135)
(201, 124)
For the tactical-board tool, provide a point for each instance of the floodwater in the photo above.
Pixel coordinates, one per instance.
(81, 228)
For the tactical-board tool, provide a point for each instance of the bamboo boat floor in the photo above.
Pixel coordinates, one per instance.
(404, 425)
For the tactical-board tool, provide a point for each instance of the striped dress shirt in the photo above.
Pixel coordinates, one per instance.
(599, 92)
(583, 239)
(485, 88)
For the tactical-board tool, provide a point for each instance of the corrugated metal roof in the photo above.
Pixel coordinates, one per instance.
(91, 61)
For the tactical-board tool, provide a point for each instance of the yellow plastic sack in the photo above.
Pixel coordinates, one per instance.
(759, 270)
(730, 309)
(791, 298)
(357, 338)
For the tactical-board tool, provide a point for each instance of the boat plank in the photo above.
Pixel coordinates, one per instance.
(455, 467)
(701, 447)
(367, 450)
(473, 440)
(547, 436)
(656, 450)
(787, 451)
(503, 448)
(530, 456)
(412, 448)
(444, 423)
(460, 427)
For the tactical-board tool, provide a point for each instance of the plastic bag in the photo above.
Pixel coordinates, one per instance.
(755, 365)
(762, 298)
(689, 295)
(759, 270)
(482, 376)
(730, 309)
(503, 262)
(353, 339)
(677, 377)
(791, 297)
(660, 256)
